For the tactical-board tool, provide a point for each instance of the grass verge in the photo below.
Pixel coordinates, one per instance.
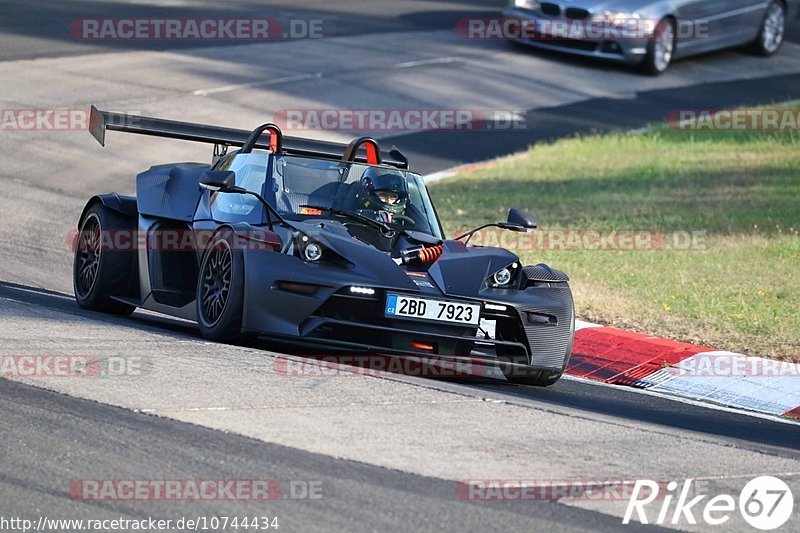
(736, 287)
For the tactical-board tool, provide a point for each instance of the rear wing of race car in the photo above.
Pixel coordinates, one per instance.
(222, 138)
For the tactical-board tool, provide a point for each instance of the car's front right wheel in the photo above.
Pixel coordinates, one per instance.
(660, 49)
(220, 290)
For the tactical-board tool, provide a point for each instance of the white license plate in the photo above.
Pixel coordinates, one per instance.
(435, 310)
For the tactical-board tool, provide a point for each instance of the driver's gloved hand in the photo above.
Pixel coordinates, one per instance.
(379, 216)
(384, 216)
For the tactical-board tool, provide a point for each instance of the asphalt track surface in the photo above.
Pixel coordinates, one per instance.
(43, 32)
(51, 437)
(387, 450)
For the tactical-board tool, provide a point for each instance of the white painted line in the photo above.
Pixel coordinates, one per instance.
(314, 75)
(688, 401)
(446, 173)
(702, 378)
(580, 324)
(423, 62)
(265, 83)
(752, 383)
(658, 377)
(307, 15)
(756, 393)
(436, 176)
(45, 292)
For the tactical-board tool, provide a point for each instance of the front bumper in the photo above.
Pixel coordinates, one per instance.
(628, 51)
(534, 325)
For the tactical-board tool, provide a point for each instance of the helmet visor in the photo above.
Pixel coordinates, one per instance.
(388, 197)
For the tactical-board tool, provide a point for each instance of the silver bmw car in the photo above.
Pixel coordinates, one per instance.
(651, 33)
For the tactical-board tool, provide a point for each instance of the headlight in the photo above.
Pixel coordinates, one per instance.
(312, 252)
(526, 4)
(304, 248)
(617, 18)
(504, 277)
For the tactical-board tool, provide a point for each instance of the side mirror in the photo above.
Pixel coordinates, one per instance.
(522, 219)
(517, 221)
(218, 180)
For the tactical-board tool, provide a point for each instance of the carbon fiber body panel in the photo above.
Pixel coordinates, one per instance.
(549, 340)
(542, 272)
(170, 191)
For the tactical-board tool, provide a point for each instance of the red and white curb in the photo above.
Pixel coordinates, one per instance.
(619, 357)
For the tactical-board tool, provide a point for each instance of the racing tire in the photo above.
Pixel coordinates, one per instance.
(220, 290)
(97, 273)
(660, 49)
(773, 29)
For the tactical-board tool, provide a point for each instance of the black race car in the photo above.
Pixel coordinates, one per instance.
(317, 244)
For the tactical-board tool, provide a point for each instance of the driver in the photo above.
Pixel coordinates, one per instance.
(383, 192)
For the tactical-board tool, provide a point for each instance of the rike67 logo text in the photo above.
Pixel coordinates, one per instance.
(765, 503)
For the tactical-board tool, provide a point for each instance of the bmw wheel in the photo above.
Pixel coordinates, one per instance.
(773, 27)
(661, 48)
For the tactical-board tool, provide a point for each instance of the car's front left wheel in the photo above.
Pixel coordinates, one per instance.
(660, 49)
(220, 290)
(773, 27)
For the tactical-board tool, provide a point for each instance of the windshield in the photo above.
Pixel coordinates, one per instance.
(385, 194)
(251, 174)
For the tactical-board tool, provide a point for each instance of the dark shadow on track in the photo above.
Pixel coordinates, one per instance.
(430, 151)
(52, 29)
